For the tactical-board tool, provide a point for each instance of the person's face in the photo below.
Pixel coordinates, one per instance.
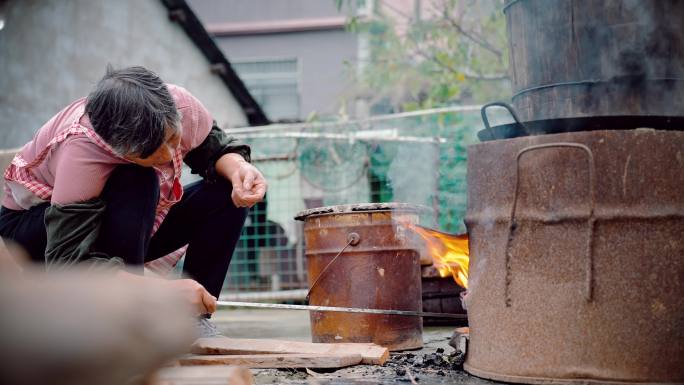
(164, 153)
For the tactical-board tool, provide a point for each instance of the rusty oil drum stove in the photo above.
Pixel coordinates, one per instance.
(577, 258)
(577, 235)
(361, 256)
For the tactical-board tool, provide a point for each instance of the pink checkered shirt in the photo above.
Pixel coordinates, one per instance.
(30, 168)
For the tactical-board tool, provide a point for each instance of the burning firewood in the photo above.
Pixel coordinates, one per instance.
(449, 252)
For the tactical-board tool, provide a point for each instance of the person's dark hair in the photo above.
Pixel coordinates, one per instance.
(130, 109)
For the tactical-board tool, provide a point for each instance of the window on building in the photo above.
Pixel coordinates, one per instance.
(274, 84)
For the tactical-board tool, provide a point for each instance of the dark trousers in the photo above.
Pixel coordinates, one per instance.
(205, 218)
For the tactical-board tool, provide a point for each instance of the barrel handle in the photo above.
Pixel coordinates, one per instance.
(353, 239)
(589, 280)
(511, 110)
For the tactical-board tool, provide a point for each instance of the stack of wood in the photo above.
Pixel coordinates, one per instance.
(266, 353)
(225, 361)
(441, 295)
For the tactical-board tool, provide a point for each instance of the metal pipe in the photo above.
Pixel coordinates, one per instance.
(339, 309)
(273, 295)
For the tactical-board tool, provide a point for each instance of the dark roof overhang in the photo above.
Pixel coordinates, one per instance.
(180, 12)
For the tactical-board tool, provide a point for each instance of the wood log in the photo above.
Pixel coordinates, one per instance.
(459, 339)
(275, 360)
(84, 327)
(371, 354)
(203, 375)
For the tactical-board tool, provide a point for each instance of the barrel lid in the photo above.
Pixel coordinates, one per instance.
(356, 207)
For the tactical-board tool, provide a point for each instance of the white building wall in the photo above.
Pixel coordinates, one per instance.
(52, 52)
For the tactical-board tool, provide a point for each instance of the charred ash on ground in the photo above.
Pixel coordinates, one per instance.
(438, 363)
(430, 365)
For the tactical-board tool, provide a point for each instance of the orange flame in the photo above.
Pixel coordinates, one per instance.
(449, 253)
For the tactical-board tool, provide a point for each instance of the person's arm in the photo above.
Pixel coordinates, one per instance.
(214, 154)
(220, 155)
(189, 290)
(249, 185)
(202, 159)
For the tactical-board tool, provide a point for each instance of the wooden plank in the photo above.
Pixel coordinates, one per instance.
(274, 360)
(459, 340)
(203, 375)
(371, 354)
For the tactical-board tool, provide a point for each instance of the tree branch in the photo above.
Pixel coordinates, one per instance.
(490, 77)
(466, 73)
(471, 36)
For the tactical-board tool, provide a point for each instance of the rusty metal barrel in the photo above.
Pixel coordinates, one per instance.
(577, 258)
(596, 58)
(361, 256)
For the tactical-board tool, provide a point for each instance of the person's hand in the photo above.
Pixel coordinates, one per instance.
(195, 294)
(187, 290)
(249, 185)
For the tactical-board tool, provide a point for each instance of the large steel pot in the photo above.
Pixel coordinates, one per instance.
(577, 258)
(362, 256)
(596, 58)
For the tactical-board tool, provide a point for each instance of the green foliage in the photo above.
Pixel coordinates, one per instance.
(455, 52)
(381, 158)
(459, 131)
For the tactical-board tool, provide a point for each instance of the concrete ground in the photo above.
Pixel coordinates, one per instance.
(294, 325)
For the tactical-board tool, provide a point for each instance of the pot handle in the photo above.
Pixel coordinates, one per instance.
(353, 239)
(511, 110)
(589, 270)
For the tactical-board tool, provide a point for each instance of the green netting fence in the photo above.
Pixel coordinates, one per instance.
(417, 157)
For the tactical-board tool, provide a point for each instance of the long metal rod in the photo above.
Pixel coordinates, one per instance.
(339, 309)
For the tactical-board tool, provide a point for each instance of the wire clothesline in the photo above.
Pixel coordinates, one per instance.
(351, 136)
(360, 122)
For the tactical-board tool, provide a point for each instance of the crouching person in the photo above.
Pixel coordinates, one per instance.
(99, 184)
